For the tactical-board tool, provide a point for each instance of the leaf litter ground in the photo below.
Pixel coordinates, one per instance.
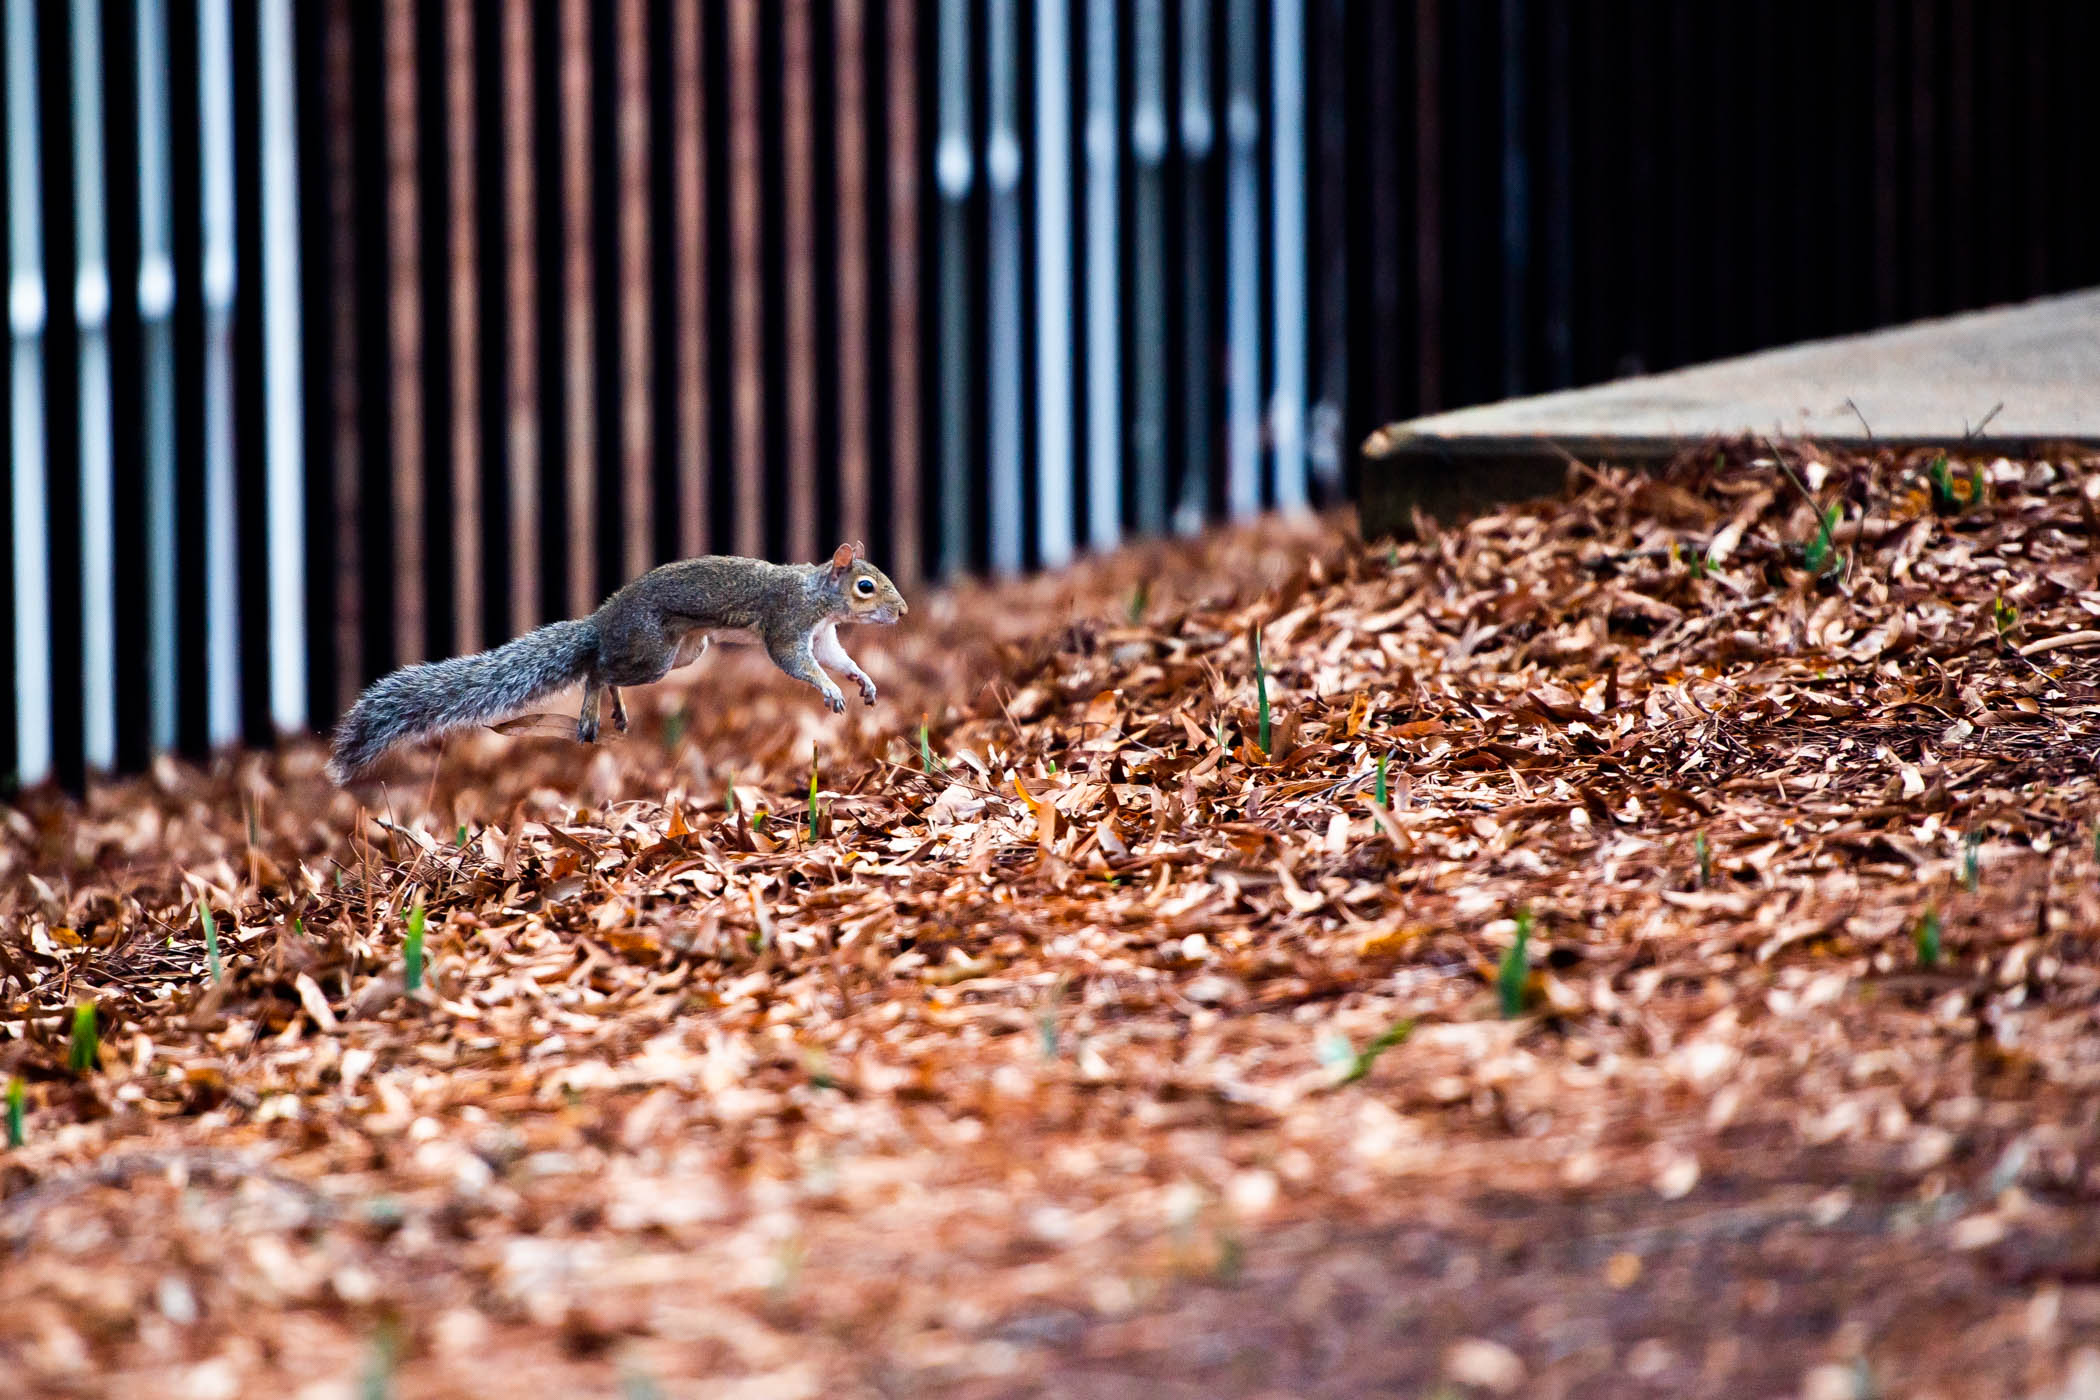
(1085, 1048)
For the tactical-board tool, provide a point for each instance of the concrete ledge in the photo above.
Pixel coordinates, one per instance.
(2007, 382)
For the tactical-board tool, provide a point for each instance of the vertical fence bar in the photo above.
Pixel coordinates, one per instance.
(639, 292)
(1287, 275)
(907, 539)
(91, 304)
(666, 291)
(26, 316)
(798, 247)
(221, 487)
(692, 438)
(748, 316)
(1329, 453)
(10, 213)
(1055, 404)
(1002, 182)
(601, 251)
(1429, 210)
(1199, 347)
(284, 398)
(1104, 359)
(954, 171)
(858, 182)
(422, 280)
(482, 201)
(525, 430)
(1148, 160)
(549, 389)
(319, 320)
(462, 253)
(62, 390)
(579, 501)
(250, 440)
(1516, 197)
(129, 578)
(1243, 436)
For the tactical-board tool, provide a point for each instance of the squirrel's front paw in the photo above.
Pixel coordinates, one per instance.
(867, 690)
(835, 698)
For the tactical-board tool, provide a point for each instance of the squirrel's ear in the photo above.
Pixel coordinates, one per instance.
(860, 551)
(840, 559)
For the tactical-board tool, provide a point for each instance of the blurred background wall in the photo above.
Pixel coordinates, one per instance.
(348, 332)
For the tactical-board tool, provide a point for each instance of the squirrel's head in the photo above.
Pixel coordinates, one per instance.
(868, 594)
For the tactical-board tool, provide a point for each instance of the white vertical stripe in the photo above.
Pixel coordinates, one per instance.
(1287, 191)
(29, 508)
(222, 640)
(1104, 369)
(98, 518)
(156, 294)
(1148, 237)
(1002, 179)
(1242, 266)
(954, 170)
(284, 404)
(1053, 283)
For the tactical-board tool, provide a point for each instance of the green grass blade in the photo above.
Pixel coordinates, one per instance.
(211, 938)
(86, 1048)
(15, 1094)
(412, 950)
(1927, 938)
(1515, 970)
(1385, 799)
(1261, 691)
(812, 794)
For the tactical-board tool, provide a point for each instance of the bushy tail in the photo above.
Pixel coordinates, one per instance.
(435, 697)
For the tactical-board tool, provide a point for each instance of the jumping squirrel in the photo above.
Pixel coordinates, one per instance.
(660, 621)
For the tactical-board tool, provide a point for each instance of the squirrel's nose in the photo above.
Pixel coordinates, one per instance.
(902, 607)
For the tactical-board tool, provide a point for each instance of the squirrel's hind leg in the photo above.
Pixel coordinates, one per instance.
(619, 710)
(593, 701)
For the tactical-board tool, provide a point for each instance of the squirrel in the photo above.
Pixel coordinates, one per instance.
(661, 621)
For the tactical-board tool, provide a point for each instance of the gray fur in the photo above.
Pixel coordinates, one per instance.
(436, 697)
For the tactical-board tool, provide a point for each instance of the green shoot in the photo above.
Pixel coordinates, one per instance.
(1261, 691)
(1927, 936)
(1392, 556)
(1217, 736)
(674, 727)
(2005, 617)
(813, 794)
(1943, 484)
(1821, 554)
(758, 820)
(1361, 1063)
(1706, 859)
(211, 938)
(86, 1048)
(412, 950)
(15, 1092)
(1384, 795)
(927, 762)
(462, 833)
(1139, 598)
(1970, 863)
(729, 804)
(1515, 969)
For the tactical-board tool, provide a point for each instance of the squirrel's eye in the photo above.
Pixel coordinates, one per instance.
(865, 588)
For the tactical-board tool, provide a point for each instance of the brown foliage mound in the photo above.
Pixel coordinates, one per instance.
(1091, 1045)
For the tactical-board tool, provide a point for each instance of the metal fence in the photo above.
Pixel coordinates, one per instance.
(346, 332)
